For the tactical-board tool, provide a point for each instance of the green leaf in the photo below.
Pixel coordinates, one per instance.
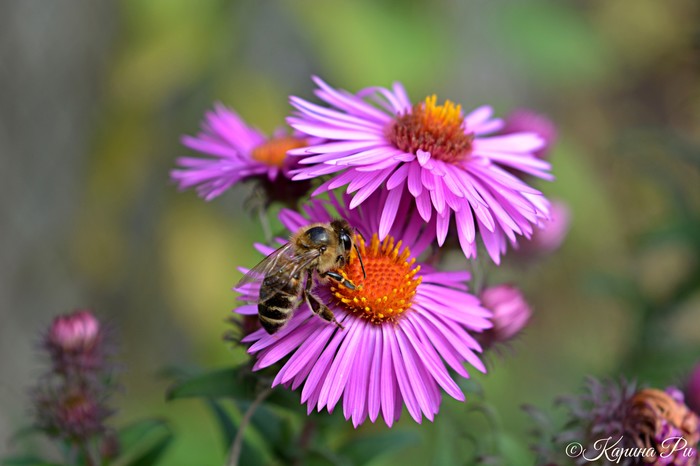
(224, 383)
(513, 452)
(273, 429)
(133, 434)
(362, 450)
(150, 456)
(226, 425)
(238, 383)
(143, 442)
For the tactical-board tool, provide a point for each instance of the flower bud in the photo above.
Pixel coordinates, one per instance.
(510, 313)
(547, 238)
(74, 342)
(75, 332)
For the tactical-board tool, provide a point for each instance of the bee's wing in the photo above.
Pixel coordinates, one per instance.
(258, 273)
(279, 267)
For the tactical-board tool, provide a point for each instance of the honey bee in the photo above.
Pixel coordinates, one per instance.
(287, 274)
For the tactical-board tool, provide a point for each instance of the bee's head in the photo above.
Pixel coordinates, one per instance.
(345, 233)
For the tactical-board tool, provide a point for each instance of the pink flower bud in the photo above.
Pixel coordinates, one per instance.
(524, 120)
(510, 312)
(549, 237)
(75, 332)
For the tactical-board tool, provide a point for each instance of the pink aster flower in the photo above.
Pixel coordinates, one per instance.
(234, 152)
(433, 153)
(403, 324)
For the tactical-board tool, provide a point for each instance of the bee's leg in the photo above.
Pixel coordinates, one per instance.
(339, 278)
(317, 307)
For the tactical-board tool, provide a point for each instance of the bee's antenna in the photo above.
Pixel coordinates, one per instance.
(359, 256)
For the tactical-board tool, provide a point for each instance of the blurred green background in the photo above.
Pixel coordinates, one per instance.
(97, 94)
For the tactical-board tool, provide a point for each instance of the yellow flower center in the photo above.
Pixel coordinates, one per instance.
(273, 152)
(433, 128)
(391, 281)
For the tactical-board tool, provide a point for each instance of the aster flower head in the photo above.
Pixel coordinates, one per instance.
(434, 154)
(234, 152)
(404, 324)
(659, 419)
(511, 313)
(648, 420)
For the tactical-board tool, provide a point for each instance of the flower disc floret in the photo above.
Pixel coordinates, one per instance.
(390, 285)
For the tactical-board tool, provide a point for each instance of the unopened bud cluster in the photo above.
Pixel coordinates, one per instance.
(70, 399)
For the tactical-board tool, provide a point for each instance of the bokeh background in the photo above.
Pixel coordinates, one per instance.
(95, 96)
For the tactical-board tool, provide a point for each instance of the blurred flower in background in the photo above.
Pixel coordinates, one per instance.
(433, 153)
(402, 323)
(71, 400)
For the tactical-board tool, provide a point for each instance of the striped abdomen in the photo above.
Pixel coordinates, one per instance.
(277, 303)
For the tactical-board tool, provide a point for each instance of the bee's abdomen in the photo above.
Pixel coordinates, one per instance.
(275, 311)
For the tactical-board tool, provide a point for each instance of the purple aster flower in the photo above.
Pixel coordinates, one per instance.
(235, 152)
(402, 324)
(433, 153)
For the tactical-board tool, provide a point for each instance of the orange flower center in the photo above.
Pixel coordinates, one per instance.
(273, 152)
(391, 281)
(433, 128)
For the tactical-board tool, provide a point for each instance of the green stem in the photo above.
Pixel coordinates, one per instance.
(237, 444)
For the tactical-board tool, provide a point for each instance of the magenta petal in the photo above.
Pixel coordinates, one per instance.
(354, 398)
(432, 362)
(415, 185)
(443, 225)
(423, 206)
(418, 383)
(374, 393)
(391, 206)
(397, 178)
(339, 372)
(401, 374)
(312, 387)
(387, 379)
